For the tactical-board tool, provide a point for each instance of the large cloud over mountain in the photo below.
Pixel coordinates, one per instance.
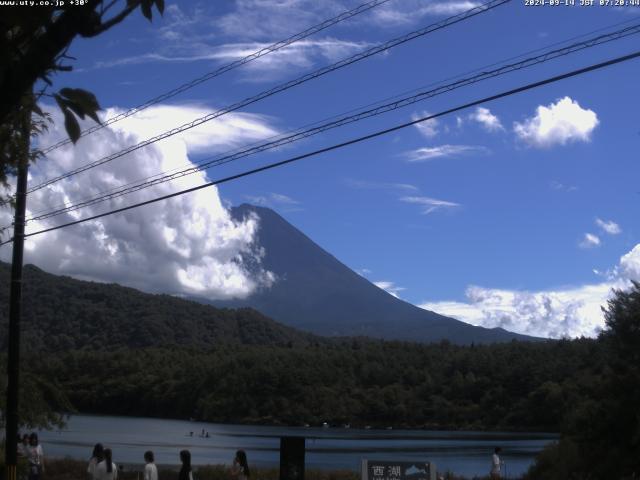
(186, 245)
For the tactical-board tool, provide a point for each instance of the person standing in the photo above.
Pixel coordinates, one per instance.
(35, 457)
(496, 465)
(150, 469)
(96, 457)
(106, 469)
(185, 471)
(240, 468)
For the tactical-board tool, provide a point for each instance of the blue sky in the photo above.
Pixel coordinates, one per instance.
(521, 213)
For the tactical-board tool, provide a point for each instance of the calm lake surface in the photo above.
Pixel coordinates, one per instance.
(465, 453)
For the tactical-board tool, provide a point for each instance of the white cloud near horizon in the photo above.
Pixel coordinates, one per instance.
(488, 121)
(559, 123)
(442, 151)
(565, 312)
(610, 227)
(430, 205)
(590, 241)
(186, 245)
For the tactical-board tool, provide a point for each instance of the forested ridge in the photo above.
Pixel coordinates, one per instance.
(60, 313)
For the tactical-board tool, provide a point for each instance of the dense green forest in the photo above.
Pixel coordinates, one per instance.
(531, 386)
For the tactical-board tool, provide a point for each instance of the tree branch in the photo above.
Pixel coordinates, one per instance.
(102, 27)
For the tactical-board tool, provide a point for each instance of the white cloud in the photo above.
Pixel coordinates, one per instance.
(302, 54)
(562, 187)
(557, 124)
(186, 245)
(407, 12)
(269, 19)
(430, 205)
(260, 19)
(488, 120)
(299, 55)
(363, 184)
(275, 200)
(610, 227)
(440, 151)
(589, 241)
(428, 128)
(629, 267)
(566, 312)
(389, 287)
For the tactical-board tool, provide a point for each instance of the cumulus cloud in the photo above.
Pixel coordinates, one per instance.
(629, 267)
(186, 245)
(590, 240)
(430, 205)
(441, 151)
(610, 227)
(389, 287)
(559, 123)
(488, 120)
(567, 312)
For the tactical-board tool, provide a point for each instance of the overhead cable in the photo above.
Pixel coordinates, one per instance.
(282, 87)
(381, 109)
(224, 69)
(363, 138)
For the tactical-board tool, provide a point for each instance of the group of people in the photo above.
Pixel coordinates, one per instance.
(30, 449)
(101, 466)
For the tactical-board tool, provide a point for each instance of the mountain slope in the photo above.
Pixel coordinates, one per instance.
(61, 313)
(317, 293)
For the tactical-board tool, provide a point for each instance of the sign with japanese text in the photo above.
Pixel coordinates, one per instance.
(390, 470)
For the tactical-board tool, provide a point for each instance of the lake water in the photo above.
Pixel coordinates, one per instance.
(465, 453)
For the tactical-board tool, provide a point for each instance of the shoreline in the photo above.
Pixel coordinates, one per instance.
(377, 428)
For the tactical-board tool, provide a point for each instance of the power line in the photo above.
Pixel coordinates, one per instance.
(226, 68)
(340, 121)
(370, 136)
(483, 69)
(282, 87)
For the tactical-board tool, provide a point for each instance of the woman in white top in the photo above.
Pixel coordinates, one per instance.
(150, 470)
(35, 457)
(96, 457)
(496, 464)
(240, 467)
(106, 469)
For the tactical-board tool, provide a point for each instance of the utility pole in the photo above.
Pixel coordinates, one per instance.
(15, 301)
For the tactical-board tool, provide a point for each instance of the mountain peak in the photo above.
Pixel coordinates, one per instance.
(318, 293)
